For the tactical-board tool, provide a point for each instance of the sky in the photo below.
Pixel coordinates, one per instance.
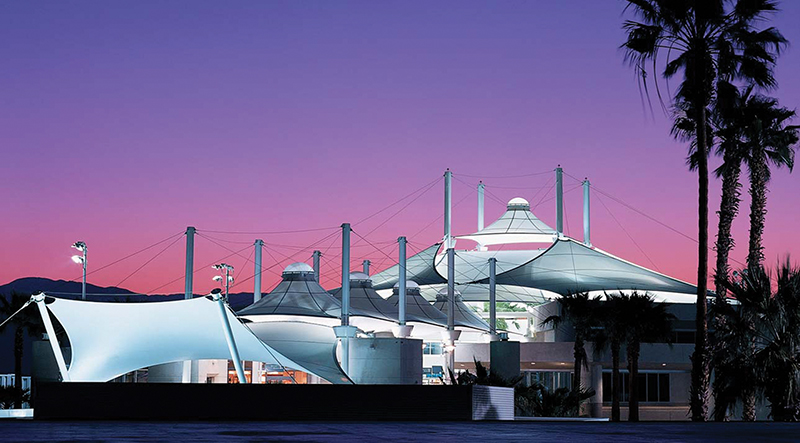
(122, 123)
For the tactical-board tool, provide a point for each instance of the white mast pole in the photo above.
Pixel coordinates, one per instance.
(451, 308)
(188, 289)
(315, 257)
(481, 187)
(255, 367)
(346, 274)
(259, 244)
(402, 330)
(83, 284)
(586, 226)
(51, 335)
(344, 331)
(402, 281)
(493, 297)
(448, 194)
(365, 266)
(559, 201)
(226, 326)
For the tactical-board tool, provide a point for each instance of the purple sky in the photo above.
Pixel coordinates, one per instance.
(122, 123)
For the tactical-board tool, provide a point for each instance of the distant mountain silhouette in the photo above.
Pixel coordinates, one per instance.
(72, 290)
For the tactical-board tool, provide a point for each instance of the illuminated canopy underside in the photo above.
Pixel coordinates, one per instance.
(567, 266)
(111, 339)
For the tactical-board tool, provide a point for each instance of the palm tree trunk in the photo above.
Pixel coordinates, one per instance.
(633, 381)
(758, 208)
(749, 405)
(615, 381)
(728, 210)
(577, 352)
(18, 349)
(699, 386)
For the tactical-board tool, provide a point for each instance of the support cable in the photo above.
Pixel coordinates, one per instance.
(628, 234)
(147, 262)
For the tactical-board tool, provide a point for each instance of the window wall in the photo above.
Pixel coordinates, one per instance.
(653, 387)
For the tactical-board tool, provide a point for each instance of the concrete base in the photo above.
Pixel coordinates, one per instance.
(504, 358)
(383, 361)
(149, 401)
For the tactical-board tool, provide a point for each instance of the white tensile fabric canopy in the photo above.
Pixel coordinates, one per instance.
(537, 275)
(517, 225)
(111, 339)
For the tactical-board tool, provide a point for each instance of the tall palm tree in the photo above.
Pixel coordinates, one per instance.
(26, 321)
(581, 311)
(744, 123)
(611, 336)
(704, 41)
(776, 334)
(768, 139)
(645, 321)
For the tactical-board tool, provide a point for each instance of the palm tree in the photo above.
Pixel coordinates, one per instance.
(705, 42)
(744, 122)
(25, 321)
(776, 334)
(736, 374)
(768, 139)
(581, 311)
(645, 322)
(612, 335)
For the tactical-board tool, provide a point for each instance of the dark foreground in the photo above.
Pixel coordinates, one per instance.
(41, 431)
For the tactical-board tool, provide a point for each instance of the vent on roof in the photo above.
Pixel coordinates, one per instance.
(518, 203)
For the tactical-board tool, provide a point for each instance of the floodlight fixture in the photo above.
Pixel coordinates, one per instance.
(81, 260)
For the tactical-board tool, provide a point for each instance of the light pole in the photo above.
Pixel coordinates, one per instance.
(81, 259)
(225, 275)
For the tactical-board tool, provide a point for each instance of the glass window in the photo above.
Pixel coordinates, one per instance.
(663, 387)
(652, 387)
(551, 380)
(432, 348)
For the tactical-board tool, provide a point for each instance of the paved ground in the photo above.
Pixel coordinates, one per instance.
(26, 430)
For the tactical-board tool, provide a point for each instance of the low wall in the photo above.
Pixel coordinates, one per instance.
(167, 401)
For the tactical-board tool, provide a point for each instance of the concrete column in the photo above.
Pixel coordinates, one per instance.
(257, 278)
(481, 187)
(559, 201)
(596, 402)
(315, 257)
(365, 266)
(586, 226)
(448, 199)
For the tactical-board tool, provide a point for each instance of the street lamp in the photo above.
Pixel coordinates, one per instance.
(225, 275)
(81, 259)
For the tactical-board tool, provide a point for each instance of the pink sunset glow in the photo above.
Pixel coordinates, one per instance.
(121, 124)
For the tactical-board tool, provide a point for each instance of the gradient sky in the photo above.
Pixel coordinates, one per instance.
(123, 123)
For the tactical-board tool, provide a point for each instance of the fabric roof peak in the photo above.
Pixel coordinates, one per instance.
(517, 225)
